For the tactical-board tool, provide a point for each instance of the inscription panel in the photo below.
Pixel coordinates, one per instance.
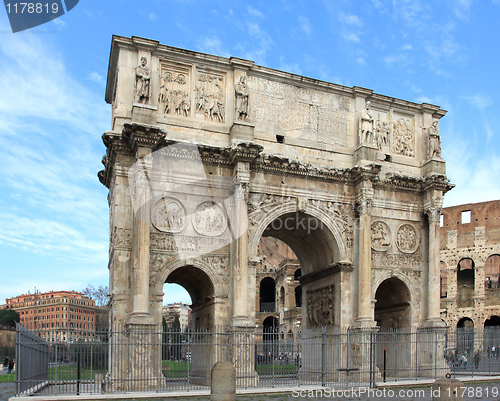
(300, 112)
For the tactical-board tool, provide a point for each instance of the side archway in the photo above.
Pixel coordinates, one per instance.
(203, 285)
(392, 307)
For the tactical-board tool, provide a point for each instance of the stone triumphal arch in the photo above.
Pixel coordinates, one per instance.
(207, 154)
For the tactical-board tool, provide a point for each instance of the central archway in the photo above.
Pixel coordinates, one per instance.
(314, 237)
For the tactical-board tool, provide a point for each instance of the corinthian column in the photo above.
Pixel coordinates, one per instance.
(239, 255)
(433, 296)
(140, 244)
(365, 265)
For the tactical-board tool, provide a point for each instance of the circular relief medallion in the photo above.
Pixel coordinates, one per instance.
(407, 239)
(381, 236)
(168, 215)
(209, 219)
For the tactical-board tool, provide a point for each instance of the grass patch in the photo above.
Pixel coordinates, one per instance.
(267, 370)
(9, 377)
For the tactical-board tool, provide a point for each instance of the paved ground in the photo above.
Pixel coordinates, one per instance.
(477, 391)
(6, 391)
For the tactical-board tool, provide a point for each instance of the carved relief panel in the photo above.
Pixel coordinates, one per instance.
(209, 219)
(381, 236)
(382, 131)
(403, 134)
(407, 238)
(168, 215)
(320, 307)
(174, 96)
(211, 96)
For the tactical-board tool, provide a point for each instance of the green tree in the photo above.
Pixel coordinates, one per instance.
(9, 317)
(177, 338)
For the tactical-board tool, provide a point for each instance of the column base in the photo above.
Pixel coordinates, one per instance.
(141, 318)
(364, 322)
(242, 321)
(432, 323)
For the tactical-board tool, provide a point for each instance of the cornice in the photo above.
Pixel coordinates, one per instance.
(329, 270)
(279, 164)
(366, 173)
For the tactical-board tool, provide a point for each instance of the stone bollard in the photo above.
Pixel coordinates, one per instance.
(223, 384)
(447, 390)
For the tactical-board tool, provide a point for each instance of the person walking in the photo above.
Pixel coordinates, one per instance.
(464, 361)
(11, 366)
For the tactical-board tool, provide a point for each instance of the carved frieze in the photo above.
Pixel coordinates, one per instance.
(211, 96)
(121, 237)
(209, 219)
(383, 259)
(185, 244)
(320, 307)
(403, 134)
(168, 215)
(381, 236)
(174, 97)
(407, 238)
(218, 262)
(158, 261)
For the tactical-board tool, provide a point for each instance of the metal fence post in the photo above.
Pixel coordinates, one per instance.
(323, 356)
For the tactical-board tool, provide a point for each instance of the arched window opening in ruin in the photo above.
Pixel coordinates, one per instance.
(443, 279)
(492, 271)
(465, 336)
(492, 334)
(465, 283)
(298, 296)
(297, 274)
(198, 285)
(282, 296)
(270, 337)
(267, 295)
(392, 309)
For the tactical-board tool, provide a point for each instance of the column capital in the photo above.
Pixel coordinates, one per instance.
(364, 206)
(433, 214)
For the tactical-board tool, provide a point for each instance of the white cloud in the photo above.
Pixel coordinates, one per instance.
(461, 8)
(59, 22)
(152, 16)
(401, 59)
(213, 45)
(51, 204)
(34, 83)
(352, 20)
(305, 24)
(478, 101)
(260, 43)
(253, 11)
(351, 37)
(293, 68)
(96, 77)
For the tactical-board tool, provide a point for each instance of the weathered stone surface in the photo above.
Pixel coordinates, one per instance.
(223, 382)
(447, 390)
(206, 155)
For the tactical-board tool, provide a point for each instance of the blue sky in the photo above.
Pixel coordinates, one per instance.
(53, 210)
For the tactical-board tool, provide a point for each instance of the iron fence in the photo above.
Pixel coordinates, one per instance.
(143, 358)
